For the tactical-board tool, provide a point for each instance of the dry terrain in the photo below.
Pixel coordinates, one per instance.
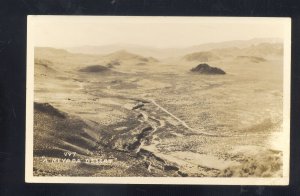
(127, 114)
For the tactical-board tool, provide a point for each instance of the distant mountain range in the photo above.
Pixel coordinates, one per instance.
(48, 60)
(260, 50)
(161, 53)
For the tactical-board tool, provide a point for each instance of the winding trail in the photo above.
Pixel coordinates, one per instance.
(181, 121)
(167, 159)
(155, 123)
(166, 111)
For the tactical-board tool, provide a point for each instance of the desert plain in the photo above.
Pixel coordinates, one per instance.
(128, 110)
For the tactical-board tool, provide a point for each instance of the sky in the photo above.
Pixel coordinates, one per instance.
(162, 32)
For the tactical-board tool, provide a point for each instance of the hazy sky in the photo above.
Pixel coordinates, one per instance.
(164, 32)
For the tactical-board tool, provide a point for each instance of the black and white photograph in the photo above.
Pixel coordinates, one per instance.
(158, 100)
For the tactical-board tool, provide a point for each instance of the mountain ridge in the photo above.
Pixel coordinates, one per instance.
(162, 53)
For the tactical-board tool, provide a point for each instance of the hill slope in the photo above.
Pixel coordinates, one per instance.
(61, 132)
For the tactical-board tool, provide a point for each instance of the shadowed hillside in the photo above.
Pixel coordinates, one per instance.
(208, 70)
(73, 134)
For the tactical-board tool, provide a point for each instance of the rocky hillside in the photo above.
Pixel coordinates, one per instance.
(61, 132)
(206, 69)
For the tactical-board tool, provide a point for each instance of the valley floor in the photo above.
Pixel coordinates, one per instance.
(143, 124)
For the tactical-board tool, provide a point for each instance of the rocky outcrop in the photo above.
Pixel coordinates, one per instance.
(208, 70)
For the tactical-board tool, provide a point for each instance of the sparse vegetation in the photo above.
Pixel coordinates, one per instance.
(265, 164)
(202, 125)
